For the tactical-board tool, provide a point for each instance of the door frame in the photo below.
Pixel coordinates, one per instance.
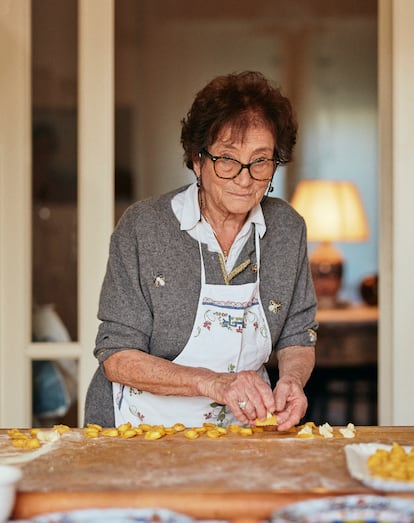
(95, 199)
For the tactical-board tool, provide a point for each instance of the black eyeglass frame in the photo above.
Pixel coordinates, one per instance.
(247, 166)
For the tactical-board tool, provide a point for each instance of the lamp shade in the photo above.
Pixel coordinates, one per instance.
(332, 210)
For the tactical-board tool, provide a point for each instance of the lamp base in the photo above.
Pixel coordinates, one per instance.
(327, 267)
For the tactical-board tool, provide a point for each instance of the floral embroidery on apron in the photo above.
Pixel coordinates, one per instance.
(238, 317)
(230, 334)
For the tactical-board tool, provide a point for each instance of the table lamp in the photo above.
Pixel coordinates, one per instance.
(333, 212)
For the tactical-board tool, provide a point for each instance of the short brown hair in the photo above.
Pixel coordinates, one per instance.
(235, 99)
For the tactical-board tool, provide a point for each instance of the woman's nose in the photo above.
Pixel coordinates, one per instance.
(244, 177)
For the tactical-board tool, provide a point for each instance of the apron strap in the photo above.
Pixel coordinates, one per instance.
(202, 269)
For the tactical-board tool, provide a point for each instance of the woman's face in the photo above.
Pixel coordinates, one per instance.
(239, 195)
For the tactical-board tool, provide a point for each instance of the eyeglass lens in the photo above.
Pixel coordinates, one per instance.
(260, 170)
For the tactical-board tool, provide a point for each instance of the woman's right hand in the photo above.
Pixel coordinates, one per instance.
(245, 392)
(158, 376)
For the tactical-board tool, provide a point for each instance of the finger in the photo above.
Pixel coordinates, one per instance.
(247, 410)
(288, 423)
(280, 398)
(263, 401)
(292, 414)
(239, 413)
(251, 395)
(263, 398)
(250, 410)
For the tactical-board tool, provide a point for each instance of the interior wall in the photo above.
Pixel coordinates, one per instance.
(397, 145)
(339, 119)
(322, 55)
(324, 61)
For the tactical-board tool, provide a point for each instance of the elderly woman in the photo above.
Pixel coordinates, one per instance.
(203, 283)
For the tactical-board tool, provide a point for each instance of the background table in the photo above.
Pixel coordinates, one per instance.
(343, 386)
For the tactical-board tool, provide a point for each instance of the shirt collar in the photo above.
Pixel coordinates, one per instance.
(187, 209)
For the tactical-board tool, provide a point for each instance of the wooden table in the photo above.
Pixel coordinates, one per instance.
(233, 478)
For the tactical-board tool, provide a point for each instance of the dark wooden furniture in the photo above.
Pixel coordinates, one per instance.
(343, 386)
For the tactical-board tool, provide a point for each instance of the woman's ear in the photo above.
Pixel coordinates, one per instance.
(197, 165)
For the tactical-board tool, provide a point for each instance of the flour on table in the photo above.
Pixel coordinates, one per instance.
(9, 455)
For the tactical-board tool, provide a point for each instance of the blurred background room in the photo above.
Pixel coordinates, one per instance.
(107, 84)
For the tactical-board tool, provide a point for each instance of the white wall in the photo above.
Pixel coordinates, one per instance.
(177, 63)
(327, 67)
(401, 192)
(339, 128)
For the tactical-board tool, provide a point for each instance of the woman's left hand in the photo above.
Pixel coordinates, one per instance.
(295, 366)
(291, 403)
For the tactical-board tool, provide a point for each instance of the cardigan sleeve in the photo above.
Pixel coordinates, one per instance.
(287, 291)
(300, 325)
(124, 311)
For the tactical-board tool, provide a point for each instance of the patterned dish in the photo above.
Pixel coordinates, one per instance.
(347, 509)
(113, 516)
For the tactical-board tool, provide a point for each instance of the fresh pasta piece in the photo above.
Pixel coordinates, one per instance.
(349, 431)
(153, 435)
(270, 421)
(129, 433)
(144, 427)
(48, 435)
(326, 430)
(62, 428)
(124, 427)
(191, 434)
(91, 432)
(32, 444)
(214, 433)
(246, 431)
(17, 434)
(209, 426)
(26, 443)
(306, 431)
(110, 433)
(94, 426)
(178, 427)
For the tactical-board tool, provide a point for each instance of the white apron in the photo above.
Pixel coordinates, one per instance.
(230, 334)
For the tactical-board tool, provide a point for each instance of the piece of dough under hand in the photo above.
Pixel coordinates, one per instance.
(270, 423)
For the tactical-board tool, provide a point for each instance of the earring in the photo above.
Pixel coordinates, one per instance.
(198, 181)
(270, 186)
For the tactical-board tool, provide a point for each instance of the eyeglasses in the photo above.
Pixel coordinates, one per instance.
(227, 168)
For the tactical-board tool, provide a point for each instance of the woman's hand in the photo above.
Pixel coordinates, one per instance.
(291, 403)
(245, 392)
(158, 376)
(295, 366)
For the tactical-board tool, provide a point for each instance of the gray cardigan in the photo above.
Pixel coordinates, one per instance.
(136, 313)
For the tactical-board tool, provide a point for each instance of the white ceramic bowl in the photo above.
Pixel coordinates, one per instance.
(9, 476)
